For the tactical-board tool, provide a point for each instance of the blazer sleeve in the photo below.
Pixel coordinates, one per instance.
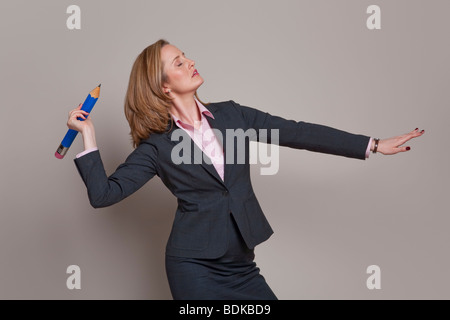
(103, 191)
(303, 135)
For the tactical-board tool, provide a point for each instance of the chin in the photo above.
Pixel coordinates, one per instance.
(200, 82)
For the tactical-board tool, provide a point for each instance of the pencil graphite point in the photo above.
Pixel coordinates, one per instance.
(100, 85)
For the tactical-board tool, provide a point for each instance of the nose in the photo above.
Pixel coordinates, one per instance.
(191, 63)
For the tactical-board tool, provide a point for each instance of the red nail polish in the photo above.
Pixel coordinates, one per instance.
(416, 129)
(423, 131)
(408, 148)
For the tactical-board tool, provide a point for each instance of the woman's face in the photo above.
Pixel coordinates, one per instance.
(181, 75)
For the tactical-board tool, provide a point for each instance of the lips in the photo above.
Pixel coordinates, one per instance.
(195, 73)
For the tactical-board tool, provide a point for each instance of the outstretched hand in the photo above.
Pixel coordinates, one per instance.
(394, 145)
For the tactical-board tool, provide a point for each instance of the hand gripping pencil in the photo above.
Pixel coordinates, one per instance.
(71, 134)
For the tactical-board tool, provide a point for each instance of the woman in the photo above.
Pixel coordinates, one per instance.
(218, 222)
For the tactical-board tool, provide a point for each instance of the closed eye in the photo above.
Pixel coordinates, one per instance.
(178, 57)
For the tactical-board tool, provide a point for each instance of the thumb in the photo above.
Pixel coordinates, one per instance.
(79, 106)
(404, 149)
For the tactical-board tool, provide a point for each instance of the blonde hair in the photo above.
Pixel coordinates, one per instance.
(146, 104)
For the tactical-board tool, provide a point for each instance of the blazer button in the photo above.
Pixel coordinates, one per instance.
(225, 193)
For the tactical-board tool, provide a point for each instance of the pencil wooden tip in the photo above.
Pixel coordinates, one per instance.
(95, 93)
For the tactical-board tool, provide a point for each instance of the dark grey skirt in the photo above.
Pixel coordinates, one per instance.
(234, 276)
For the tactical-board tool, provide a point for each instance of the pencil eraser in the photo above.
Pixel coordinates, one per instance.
(58, 155)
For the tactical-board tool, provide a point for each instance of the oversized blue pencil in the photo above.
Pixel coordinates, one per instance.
(71, 134)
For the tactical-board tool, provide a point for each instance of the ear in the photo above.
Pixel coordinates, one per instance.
(166, 89)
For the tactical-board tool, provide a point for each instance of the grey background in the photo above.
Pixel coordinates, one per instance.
(306, 60)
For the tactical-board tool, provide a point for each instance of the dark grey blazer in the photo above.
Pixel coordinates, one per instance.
(204, 200)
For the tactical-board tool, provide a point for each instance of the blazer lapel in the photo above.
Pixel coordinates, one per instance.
(218, 123)
(195, 151)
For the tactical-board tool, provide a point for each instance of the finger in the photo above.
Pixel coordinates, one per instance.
(77, 114)
(403, 139)
(417, 132)
(413, 134)
(83, 113)
(77, 111)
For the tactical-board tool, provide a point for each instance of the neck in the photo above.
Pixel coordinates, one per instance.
(185, 108)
